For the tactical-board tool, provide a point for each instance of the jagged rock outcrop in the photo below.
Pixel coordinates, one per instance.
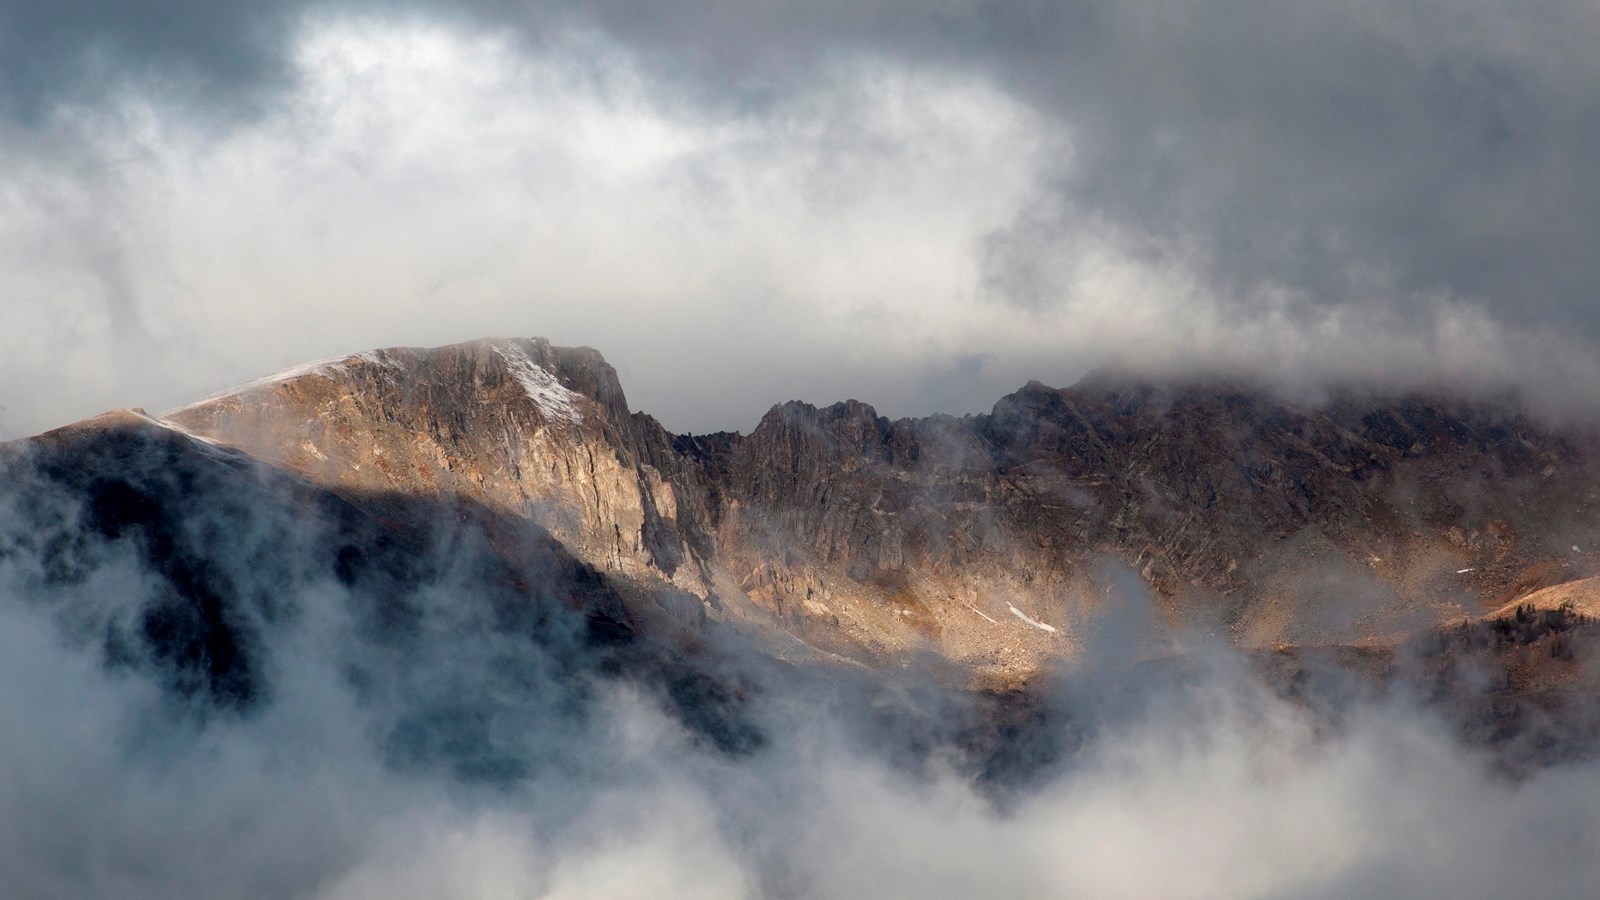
(995, 540)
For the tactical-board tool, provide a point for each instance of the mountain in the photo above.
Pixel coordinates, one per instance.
(389, 624)
(993, 541)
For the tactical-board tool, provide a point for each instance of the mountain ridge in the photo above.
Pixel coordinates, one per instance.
(995, 540)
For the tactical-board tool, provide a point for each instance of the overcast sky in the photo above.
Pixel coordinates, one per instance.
(918, 205)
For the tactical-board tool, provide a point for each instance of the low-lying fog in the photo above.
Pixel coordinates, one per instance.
(472, 752)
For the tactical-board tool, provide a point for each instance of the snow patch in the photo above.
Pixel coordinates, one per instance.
(1024, 617)
(1463, 571)
(985, 617)
(554, 399)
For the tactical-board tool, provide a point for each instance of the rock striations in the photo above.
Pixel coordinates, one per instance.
(994, 541)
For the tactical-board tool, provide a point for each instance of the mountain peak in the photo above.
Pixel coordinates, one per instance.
(872, 538)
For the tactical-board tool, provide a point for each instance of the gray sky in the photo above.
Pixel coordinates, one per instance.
(921, 207)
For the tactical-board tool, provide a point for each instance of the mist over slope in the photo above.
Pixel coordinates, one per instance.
(229, 674)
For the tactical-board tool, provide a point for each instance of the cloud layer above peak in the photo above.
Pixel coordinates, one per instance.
(740, 205)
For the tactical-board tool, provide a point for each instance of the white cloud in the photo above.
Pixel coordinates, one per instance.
(422, 185)
(1203, 785)
(887, 232)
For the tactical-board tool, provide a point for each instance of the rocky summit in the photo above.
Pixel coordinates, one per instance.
(987, 544)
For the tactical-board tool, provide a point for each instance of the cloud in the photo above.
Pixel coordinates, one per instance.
(425, 185)
(426, 733)
(922, 209)
(1214, 789)
(225, 54)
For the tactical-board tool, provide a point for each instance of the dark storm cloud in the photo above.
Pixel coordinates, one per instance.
(223, 52)
(1398, 192)
(1342, 152)
(1335, 149)
(1420, 147)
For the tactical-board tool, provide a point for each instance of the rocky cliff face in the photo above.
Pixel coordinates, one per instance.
(520, 426)
(994, 540)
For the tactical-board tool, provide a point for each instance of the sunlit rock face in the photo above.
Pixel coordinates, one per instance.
(523, 427)
(1117, 507)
